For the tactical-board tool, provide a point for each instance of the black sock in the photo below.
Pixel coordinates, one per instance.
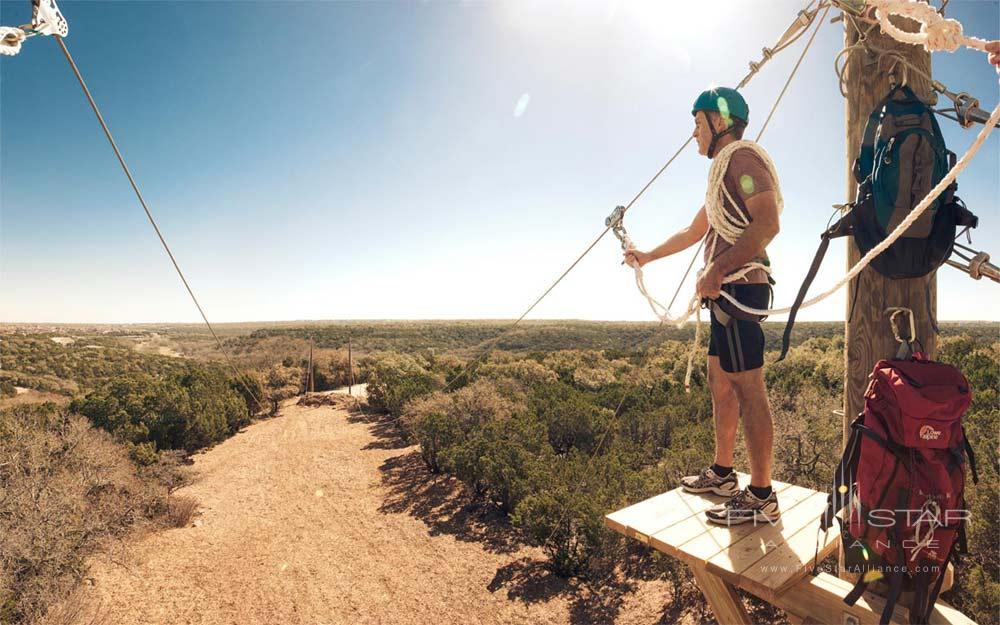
(721, 471)
(760, 492)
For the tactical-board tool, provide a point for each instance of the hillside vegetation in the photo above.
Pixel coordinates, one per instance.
(556, 440)
(562, 423)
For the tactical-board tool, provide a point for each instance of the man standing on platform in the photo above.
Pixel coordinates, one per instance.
(738, 220)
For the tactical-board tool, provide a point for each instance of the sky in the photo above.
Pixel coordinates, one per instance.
(417, 160)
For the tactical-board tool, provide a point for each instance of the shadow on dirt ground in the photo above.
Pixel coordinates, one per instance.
(444, 505)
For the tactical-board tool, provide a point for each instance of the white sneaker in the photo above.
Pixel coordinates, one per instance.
(745, 506)
(710, 482)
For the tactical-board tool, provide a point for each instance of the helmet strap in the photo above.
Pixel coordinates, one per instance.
(715, 135)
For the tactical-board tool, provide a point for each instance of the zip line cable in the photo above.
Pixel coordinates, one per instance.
(152, 221)
(607, 229)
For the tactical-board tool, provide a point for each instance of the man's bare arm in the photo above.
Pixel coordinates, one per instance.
(680, 241)
(763, 209)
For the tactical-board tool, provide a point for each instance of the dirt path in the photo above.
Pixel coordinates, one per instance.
(318, 517)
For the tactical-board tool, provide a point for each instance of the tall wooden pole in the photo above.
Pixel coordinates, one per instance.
(350, 367)
(868, 337)
(312, 388)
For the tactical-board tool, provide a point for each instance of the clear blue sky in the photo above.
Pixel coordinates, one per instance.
(321, 160)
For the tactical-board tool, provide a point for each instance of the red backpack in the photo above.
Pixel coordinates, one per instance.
(902, 478)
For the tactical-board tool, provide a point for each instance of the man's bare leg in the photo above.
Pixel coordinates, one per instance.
(751, 394)
(725, 412)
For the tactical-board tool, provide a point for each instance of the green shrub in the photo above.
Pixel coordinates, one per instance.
(188, 411)
(566, 518)
(571, 418)
(500, 459)
(395, 379)
(442, 420)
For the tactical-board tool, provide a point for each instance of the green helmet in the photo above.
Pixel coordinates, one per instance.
(725, 101)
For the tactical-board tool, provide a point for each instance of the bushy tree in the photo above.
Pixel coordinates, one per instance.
(395, 379)
(566, 517)
(186, 411)
(571, 418)
(442, 420)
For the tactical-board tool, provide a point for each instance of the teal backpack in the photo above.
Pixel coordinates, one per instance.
(902, 157)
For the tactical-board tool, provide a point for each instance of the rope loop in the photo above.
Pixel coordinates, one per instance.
(936, 31)
(10, 40)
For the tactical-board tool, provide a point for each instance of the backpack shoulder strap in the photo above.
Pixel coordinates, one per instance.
(972, 457)
(925, 597)
(842, 228)
(859, 589)
(895, 589)
(865, 160)
(843, 476)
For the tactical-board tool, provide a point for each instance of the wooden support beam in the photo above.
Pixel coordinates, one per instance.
(822, 599)
(722, 597)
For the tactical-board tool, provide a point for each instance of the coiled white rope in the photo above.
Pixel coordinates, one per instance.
(10, 40)
(936, 32)
(725, 224)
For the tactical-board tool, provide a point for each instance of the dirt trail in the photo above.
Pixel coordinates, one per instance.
(321, 517)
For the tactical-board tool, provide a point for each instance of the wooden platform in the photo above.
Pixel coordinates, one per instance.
(772, 561)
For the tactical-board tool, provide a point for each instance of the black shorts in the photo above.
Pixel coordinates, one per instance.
(739, 343)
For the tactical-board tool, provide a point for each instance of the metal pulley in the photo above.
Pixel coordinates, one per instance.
(977, 265)
(965, 108)
(614, 221)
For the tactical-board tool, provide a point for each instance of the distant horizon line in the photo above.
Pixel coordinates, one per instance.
(400, 320)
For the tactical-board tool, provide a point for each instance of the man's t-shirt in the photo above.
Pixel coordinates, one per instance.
(746, 176)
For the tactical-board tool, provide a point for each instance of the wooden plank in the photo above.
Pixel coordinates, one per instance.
(792, 559)
(662, 511)
(671, 540)
(660, 504)
(822, 598)
(722, 597)
(798, 512)
(656, 513)
(718, 540)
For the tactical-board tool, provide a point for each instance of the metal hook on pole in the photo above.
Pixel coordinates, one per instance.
(905, 345)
